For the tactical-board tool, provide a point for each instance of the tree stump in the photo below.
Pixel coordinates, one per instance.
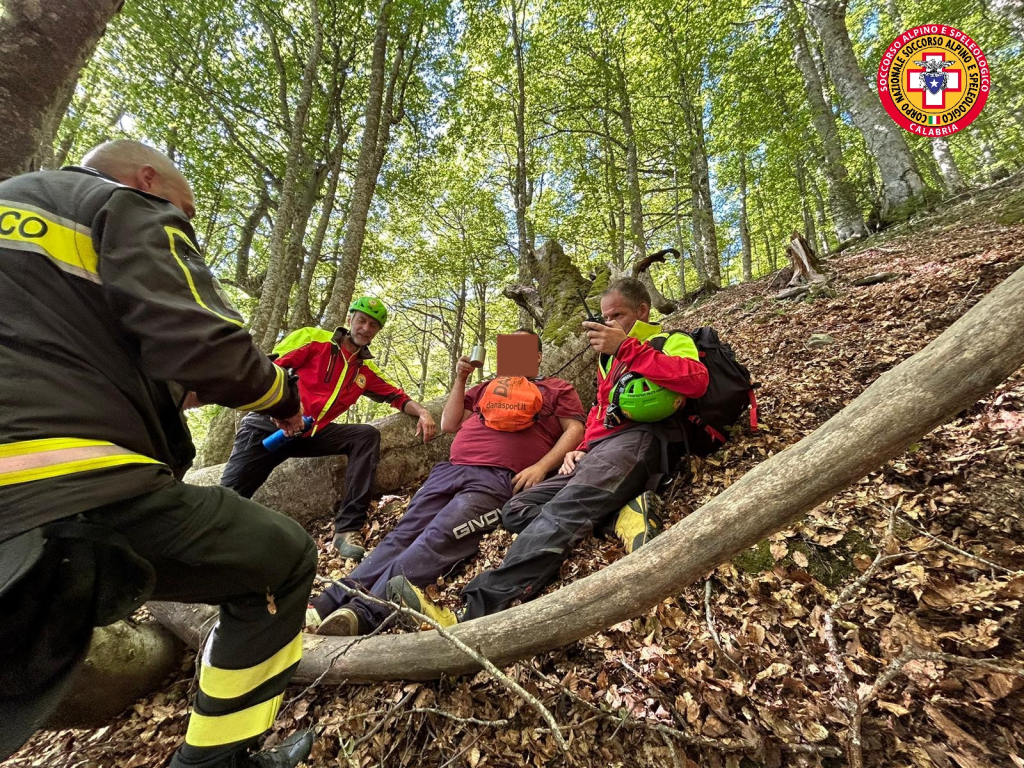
(805, 272)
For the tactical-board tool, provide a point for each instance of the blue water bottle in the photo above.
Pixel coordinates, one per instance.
(277, 439)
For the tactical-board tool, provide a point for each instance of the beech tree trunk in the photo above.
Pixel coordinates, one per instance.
(805, 208)
(277, 282)
(43, 47)
(700, 181)
(636, 208)
(744, 226)
(377, 123)
(846, 213)
(522, 186)
(903, 188)
(952, 180)
(971, 357)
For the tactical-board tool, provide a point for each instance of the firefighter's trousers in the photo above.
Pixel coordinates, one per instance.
(209, 545)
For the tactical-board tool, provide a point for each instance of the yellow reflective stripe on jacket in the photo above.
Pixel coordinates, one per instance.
(214, 730)
(67, 244)
(171, 234)
(32, 460)
(334, 394)
(272, 396)
(232, 683)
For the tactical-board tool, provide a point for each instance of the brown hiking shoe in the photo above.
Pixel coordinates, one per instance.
(349, 544)
(342, 623)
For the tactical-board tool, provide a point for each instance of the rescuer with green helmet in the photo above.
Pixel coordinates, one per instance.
(334, 368)
(644, 375)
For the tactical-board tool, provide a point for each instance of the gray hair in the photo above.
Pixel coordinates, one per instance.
(632, 290)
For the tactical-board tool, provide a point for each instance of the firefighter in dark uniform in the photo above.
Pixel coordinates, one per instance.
(110, 319)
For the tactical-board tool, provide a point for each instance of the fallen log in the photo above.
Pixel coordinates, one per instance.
(971, 357)
(881, 277)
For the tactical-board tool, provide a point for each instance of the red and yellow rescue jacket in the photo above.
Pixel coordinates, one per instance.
(331, 379)
(668, 359)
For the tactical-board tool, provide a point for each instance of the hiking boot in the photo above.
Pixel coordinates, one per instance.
(400, 590)
(349, 544)
(344, 622)
(639, 521)
(288, 754)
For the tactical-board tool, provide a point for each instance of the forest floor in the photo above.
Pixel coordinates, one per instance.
(736, 670)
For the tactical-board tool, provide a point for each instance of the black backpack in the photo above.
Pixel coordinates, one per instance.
(707, 422)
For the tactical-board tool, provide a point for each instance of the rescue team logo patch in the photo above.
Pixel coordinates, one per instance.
(360, 381)
(933, 80)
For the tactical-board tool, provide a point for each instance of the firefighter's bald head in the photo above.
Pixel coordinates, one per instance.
(139, 166)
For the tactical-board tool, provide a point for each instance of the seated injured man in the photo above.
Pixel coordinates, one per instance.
(611, 468)
(510, 433)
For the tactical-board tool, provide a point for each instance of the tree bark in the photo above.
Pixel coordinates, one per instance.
(744, 227)
(904, 189)
(301, 314)
(522, 187)
(970, 358)
(295, 254)
(819, 212)
(951, 178)
(803, 261)
(251, 284)
(705, 232)
(43, 47)
(277, 281)
(367, 170)
(846, 213)
(805, 208)
(636, 208)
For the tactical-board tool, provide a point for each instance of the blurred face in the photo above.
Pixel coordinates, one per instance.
(362, 328)
(540, 355)
(615, 308)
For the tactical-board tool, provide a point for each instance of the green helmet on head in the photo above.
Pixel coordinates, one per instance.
(638, 399)
(372, 306)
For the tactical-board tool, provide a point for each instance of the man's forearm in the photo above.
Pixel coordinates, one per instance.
(414, 409)
(568, 441)
(454, 406)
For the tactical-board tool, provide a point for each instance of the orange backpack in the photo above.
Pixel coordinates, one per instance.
(510, 403)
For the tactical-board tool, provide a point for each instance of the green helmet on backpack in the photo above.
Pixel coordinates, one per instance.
(636, 398)
(372, 306)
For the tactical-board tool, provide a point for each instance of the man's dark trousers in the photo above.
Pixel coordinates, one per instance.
(251, 464)
(209, 545)
(442, 526)
(554, 516)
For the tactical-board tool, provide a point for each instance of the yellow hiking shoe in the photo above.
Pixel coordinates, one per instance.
(400, 590)
(639, 521)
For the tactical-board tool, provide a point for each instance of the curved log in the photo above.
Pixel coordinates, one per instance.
(970, 358)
